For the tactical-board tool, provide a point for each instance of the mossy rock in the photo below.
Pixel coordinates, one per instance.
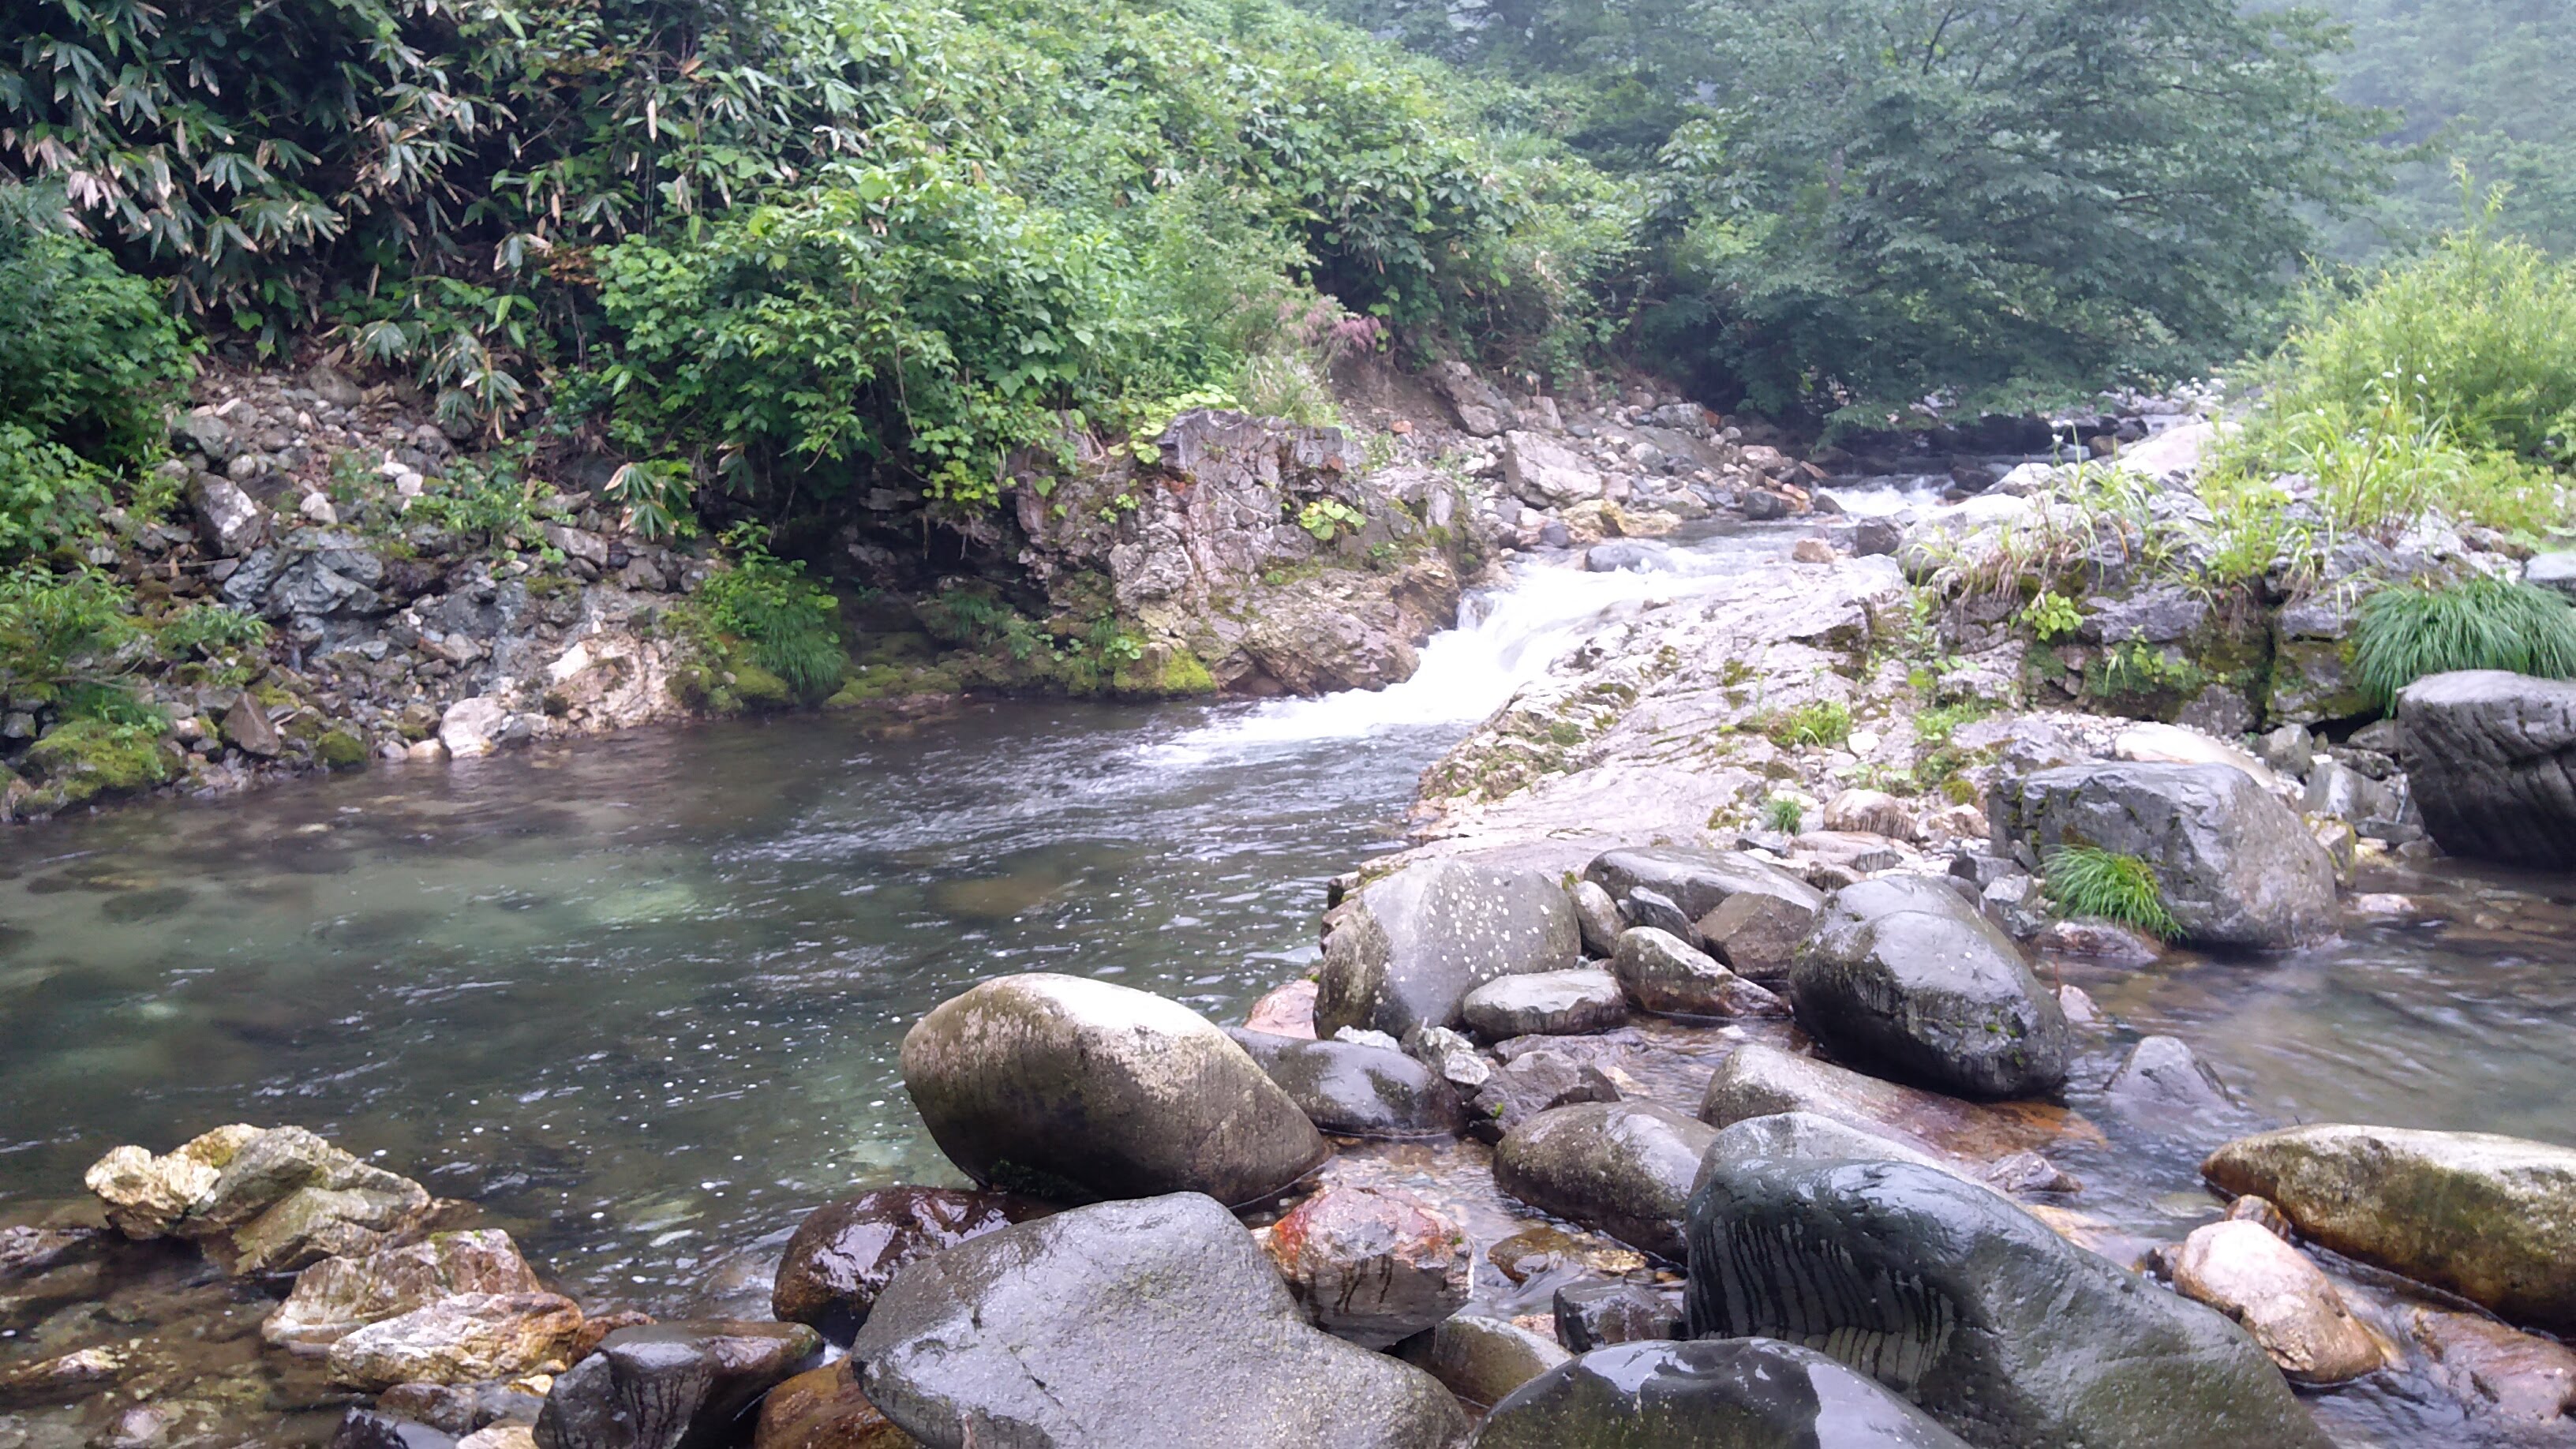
(1164, 672)
(88, 758)
(758, 689)
(340, 750)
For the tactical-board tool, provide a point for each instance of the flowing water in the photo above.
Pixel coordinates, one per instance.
(640, 997)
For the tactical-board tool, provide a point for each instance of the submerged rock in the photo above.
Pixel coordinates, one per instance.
(1623, 1167)
(1596, 1315)
(1904, 976)
(1149, 1322)
(1372, 1266)
(1355, 1090)
(678, 1385)
(1663, 974)
(465, 1338)
(258, 1201)
(2236, 866)
(1975, 1311)
(2490, 1218)
(845, 1252)
(2243, 1271)
(2491, 759)
(1482, 1360)
(825, 1408)
(1741, 1393)
(2508, 1374)
(338, 1296)
(1074, 1088)
(1545, 1003)
(2161, 1081)
(1410, 947)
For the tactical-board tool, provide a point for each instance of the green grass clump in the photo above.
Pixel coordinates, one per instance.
(1825, 722)
(1783, 814)
(2407, 632)
(2085, 880)
(789, 622)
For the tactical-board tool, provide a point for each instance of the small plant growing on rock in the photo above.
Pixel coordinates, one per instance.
(2407, 632)
(2051, 617)
(1783, 815)
(1824, 722)
(209, 630)
(2086, 880)
(1326, 517)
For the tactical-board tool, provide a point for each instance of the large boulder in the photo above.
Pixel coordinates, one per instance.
(1805, 1136)
(1664, 974)
(1545, 473)
(1076, 1089)
(1545, 1003)
(1406, 951)
(464, 1338)
(844, 1253)
(1482, 1360)
(1149, 1322)
(1903, 976)
(338, 1296)
(1975, 1311)
(2490, 1218)
(1738, 1393)
(1697, 882)
(1623, 1167)
(2236, 866)
(258, 1200)
(679, 1385)
(1372, 1266)
(2491, 758)
(1355, 1089)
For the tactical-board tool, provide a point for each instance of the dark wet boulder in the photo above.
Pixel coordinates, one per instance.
(825, 1408)
(2162, 1083)
(1737, 1393)
(1623, 1167)
(2236, 865)
(1371, 1265)
(1806, 1137)
(1356, 1090)
(2491, 759)
(1531, 1083)
(462, 1408)
(1156, 1321)
(2490, 1218)
(1595, 1315)
(1903, 977)
(1975, 1311)
(1545, 1003)
(1072, 1089)
(375, 1429)
(1664, 974)
(1405, 952)
(676, 1385)
(1696, 882)
(845, 1252)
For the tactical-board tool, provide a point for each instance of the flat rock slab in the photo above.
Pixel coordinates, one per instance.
(1552, 1003)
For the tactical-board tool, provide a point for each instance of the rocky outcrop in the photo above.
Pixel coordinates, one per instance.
(1623, 1167)
(844, 1253)
(1372, 1266)
(2490, 1218)
(2491, 757)
(1904, 977)
(464, 1338)
(1352, 1089)
(678, 1385)
(1744, 1393)
(2246, 1272)
(258, 1200)
(2236, 866)
(1150, 1322)
(1974, 1310)
(1406, 951)
(1078, 1089)
(338, 1296)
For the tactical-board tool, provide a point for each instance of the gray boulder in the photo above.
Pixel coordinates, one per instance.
(1697, 882)
(1071, 1089)
(1902, 976)
(1549, 1003)
(1596, 1314)
(230, 520)
(1409, 948)
(1663, 974)
(844, 1253)
(1355, 1090)
(1739, 1393)
(1598, 917)
(2491, 758)
(1531, 1083)
(2161, 1081)
(2555, 571)
(2236, 865)
(1149, 1322)
(1623, 1167)
(1975, 1311)
(1374, 1267)
(1807, 1137)
(2490, 1218)
(679, 1385)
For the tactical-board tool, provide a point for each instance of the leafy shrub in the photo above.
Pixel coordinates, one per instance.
(2051, 616)
(1784, 815)
(656, 497)
(2085, 880)
(488, 499)
(209, 630)
(48, 494)
(2406, 632)
(89, 358)
(1824, 722)
(789, 622)
(63, 640)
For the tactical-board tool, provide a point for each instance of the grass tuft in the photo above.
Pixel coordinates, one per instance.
(1784, 815)
(1825, 722)
(2407, 632)
(2085, 880)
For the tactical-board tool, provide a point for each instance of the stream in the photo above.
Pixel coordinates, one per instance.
(639, 997)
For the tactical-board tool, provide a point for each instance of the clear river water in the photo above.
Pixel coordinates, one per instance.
(640, 997)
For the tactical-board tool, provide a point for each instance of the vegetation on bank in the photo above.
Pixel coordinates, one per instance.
(2408, 631)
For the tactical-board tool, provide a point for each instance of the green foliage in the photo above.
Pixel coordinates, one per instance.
(63, 640)
(1783, 815)
(489, 499)
(790, 623)
(2406, 632)
(48, 494)
(2051, 616)
(89, 359)
(207, 630)
(656, 497)
(1822, 722)
(2087, 881)
(1326, 517)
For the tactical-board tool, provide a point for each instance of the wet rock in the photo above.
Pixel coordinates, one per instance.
(2105, 941)
(1147, 1322)
(1651, 909)
(146, 1196)
(462, 1408)
(1533, 1083)
(2490, 1218)
(1974, 1310)
(1597, 917)
(1744, 1393)
(1372, 1266)
(844, 1253)
(462, 1339)
(1410, 947)
(825, 1408)
(1623, 1167)
(1806, 1136)
(1354, 1090)
(1596, 1315)
(1757, 932)
(1287, 1011)
(1449, 1055)
(1551, 1003)
(681, 1385)
(246, 728)
(2280, 1297)
(2162, 1081)
(2508, 1374)
(230, 521)
(1902, 975)
(1482, 1360)
(2236, 865)
(1545, 473)
(1662, 974)
(1073, 1088)
(2028, 1172)
(66, 1377)
(279, 1199)
(500, 1436)
(374, 1429)
(1697, 882)
(2491, 758)
(338, 1296)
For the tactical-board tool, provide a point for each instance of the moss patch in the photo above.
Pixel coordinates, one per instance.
(340, 750)
(89, 758)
